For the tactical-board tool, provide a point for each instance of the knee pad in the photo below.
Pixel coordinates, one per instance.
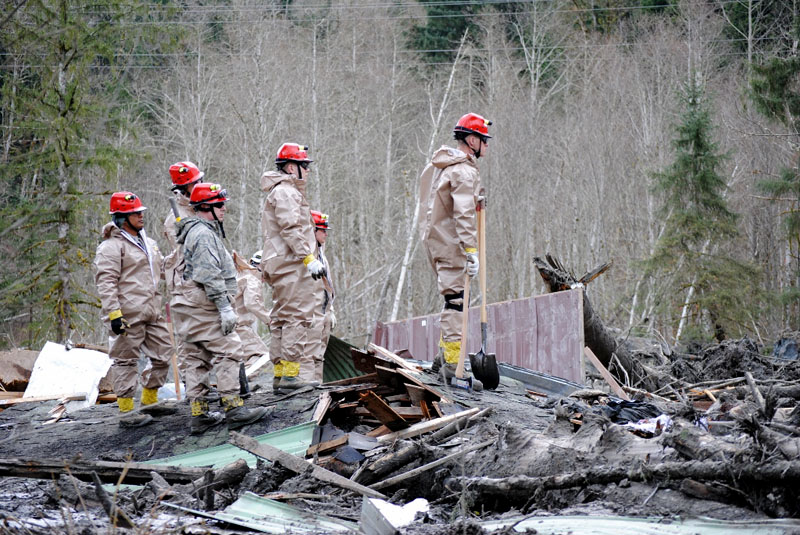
(454, 301)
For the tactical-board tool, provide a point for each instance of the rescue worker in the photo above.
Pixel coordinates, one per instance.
(127, 272)
(289, 266)
(450, 189)
(326, 318)
(249, 306)
(204, 314)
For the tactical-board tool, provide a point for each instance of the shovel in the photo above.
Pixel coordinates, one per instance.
(458, 380)
(484, 365)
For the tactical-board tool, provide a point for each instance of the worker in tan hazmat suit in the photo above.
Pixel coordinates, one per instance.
(127, 272)
(450, 189)
(326, 317)
(289, 266)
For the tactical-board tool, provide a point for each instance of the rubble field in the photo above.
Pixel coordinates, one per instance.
(719, 440)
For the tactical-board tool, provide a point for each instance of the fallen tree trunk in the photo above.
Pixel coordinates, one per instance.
(778, 474)
(108, 472)
(599, 339)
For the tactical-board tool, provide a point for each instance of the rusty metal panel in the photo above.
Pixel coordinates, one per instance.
(542, 333)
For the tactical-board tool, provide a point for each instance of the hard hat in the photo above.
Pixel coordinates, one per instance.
(125, 202)
(472, 123)
(208, 193)
(292, 152)
(255, 260)
(320, 220)
(183, 173)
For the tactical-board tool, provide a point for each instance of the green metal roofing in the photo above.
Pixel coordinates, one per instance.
(294, 440)
(338, 362)
(270, 516)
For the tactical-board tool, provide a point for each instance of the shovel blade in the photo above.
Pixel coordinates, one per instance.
(484, 368)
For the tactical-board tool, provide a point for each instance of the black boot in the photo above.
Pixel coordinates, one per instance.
(202, 419)
(237, 415)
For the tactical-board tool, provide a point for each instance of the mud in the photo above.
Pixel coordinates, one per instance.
(533, 437)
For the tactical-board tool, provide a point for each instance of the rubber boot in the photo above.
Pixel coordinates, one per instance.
(244, 384)
(237, 415)
(202, 419)
(212, 395)
(438, 360)
(448, 371)
(149, 396)
(289, 384)
(277, 375)
(129, 417)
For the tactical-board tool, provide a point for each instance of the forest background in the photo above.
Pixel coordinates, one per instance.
(661, 135)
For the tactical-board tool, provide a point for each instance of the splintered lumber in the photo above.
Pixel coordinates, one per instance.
(10, 395)
(773, 473)
(620, 393)
(425, 467)
(79, 396)
(756, 393)
(435, 394)
(390, 462)
(328, 445)
(368, 378)
(107, 471)
(428, 426)
(322, 407)
(382, 411)
(298, 465)
(388, 355)
(407, 413)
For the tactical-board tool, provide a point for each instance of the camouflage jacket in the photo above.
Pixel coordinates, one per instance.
(206, 261)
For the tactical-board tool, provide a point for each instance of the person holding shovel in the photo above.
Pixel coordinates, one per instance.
(325, 318)
(450, 189)
(127, 272)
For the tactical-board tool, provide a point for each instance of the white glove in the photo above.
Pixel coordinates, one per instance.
(333, 320)
(472, 264)
(228, 319)
(317, 269)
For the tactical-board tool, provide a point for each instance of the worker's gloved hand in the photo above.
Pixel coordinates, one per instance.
(315, 267)
(118, 323)
(228, 319)
(472, 264)
(333, 320)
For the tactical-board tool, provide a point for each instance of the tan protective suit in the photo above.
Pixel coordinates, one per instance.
(449, 189)
(323, 311)
(127, 275)
(249, 306)
(209, 281)
(288, 237)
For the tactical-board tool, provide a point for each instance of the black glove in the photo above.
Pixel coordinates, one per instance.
(118, 325)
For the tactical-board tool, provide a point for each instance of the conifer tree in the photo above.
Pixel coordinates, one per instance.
(707, 287)
(776, 94)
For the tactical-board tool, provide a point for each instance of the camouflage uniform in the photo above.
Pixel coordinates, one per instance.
(209, 283)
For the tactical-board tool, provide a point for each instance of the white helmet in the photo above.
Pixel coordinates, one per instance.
(255, 260)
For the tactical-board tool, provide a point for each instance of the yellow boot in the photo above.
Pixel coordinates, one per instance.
(149, 396)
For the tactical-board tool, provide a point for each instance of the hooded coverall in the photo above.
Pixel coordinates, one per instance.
(128, 270)
(208, 284)
(249, 306)
(449, 189)
(323, 323)
(288, 238)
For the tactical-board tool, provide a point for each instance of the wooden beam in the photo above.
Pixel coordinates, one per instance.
(426, 427)
(109, 472)
(411, 378)
(328, 445)
(322, 407)
(368, 378)
(298, 465)
(388, 355)
(413, 413)
(382, 411)
(618, 391)
(80, 396)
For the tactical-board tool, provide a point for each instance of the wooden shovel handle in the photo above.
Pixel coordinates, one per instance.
(464, 329)
(482, 257)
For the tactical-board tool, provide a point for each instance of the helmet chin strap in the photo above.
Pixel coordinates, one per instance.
(477, 153)
(221, 226)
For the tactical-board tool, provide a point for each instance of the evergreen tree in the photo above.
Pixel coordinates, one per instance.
(445, 26)
(776, 94)
(709, 288)
(63, 76)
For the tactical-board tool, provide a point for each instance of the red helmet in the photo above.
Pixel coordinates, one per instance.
(184, 173)
(208, 193)
(320, 220)
(472, 123)
(292, 152)
(125, 202)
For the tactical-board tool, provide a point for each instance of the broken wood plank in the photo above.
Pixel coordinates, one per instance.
(298, 465)
(759, 399)
(378, 431)
(328, 445)
(109, 472)
(295, 496)
(363, 361)
(398, 397)
(78, 396)
(388, 377)
(10, 395)
(425, 467)
(323, 405)
(383, 412)
(618, 391)
(407, 413)
(368, 378)
(388, 355)
(437, 396)
(533, 393)
(428, 426)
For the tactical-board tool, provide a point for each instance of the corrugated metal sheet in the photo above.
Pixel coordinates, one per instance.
(338, 362)
(621, 525)
(294, 440)
(542, 333)
(269, 516)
